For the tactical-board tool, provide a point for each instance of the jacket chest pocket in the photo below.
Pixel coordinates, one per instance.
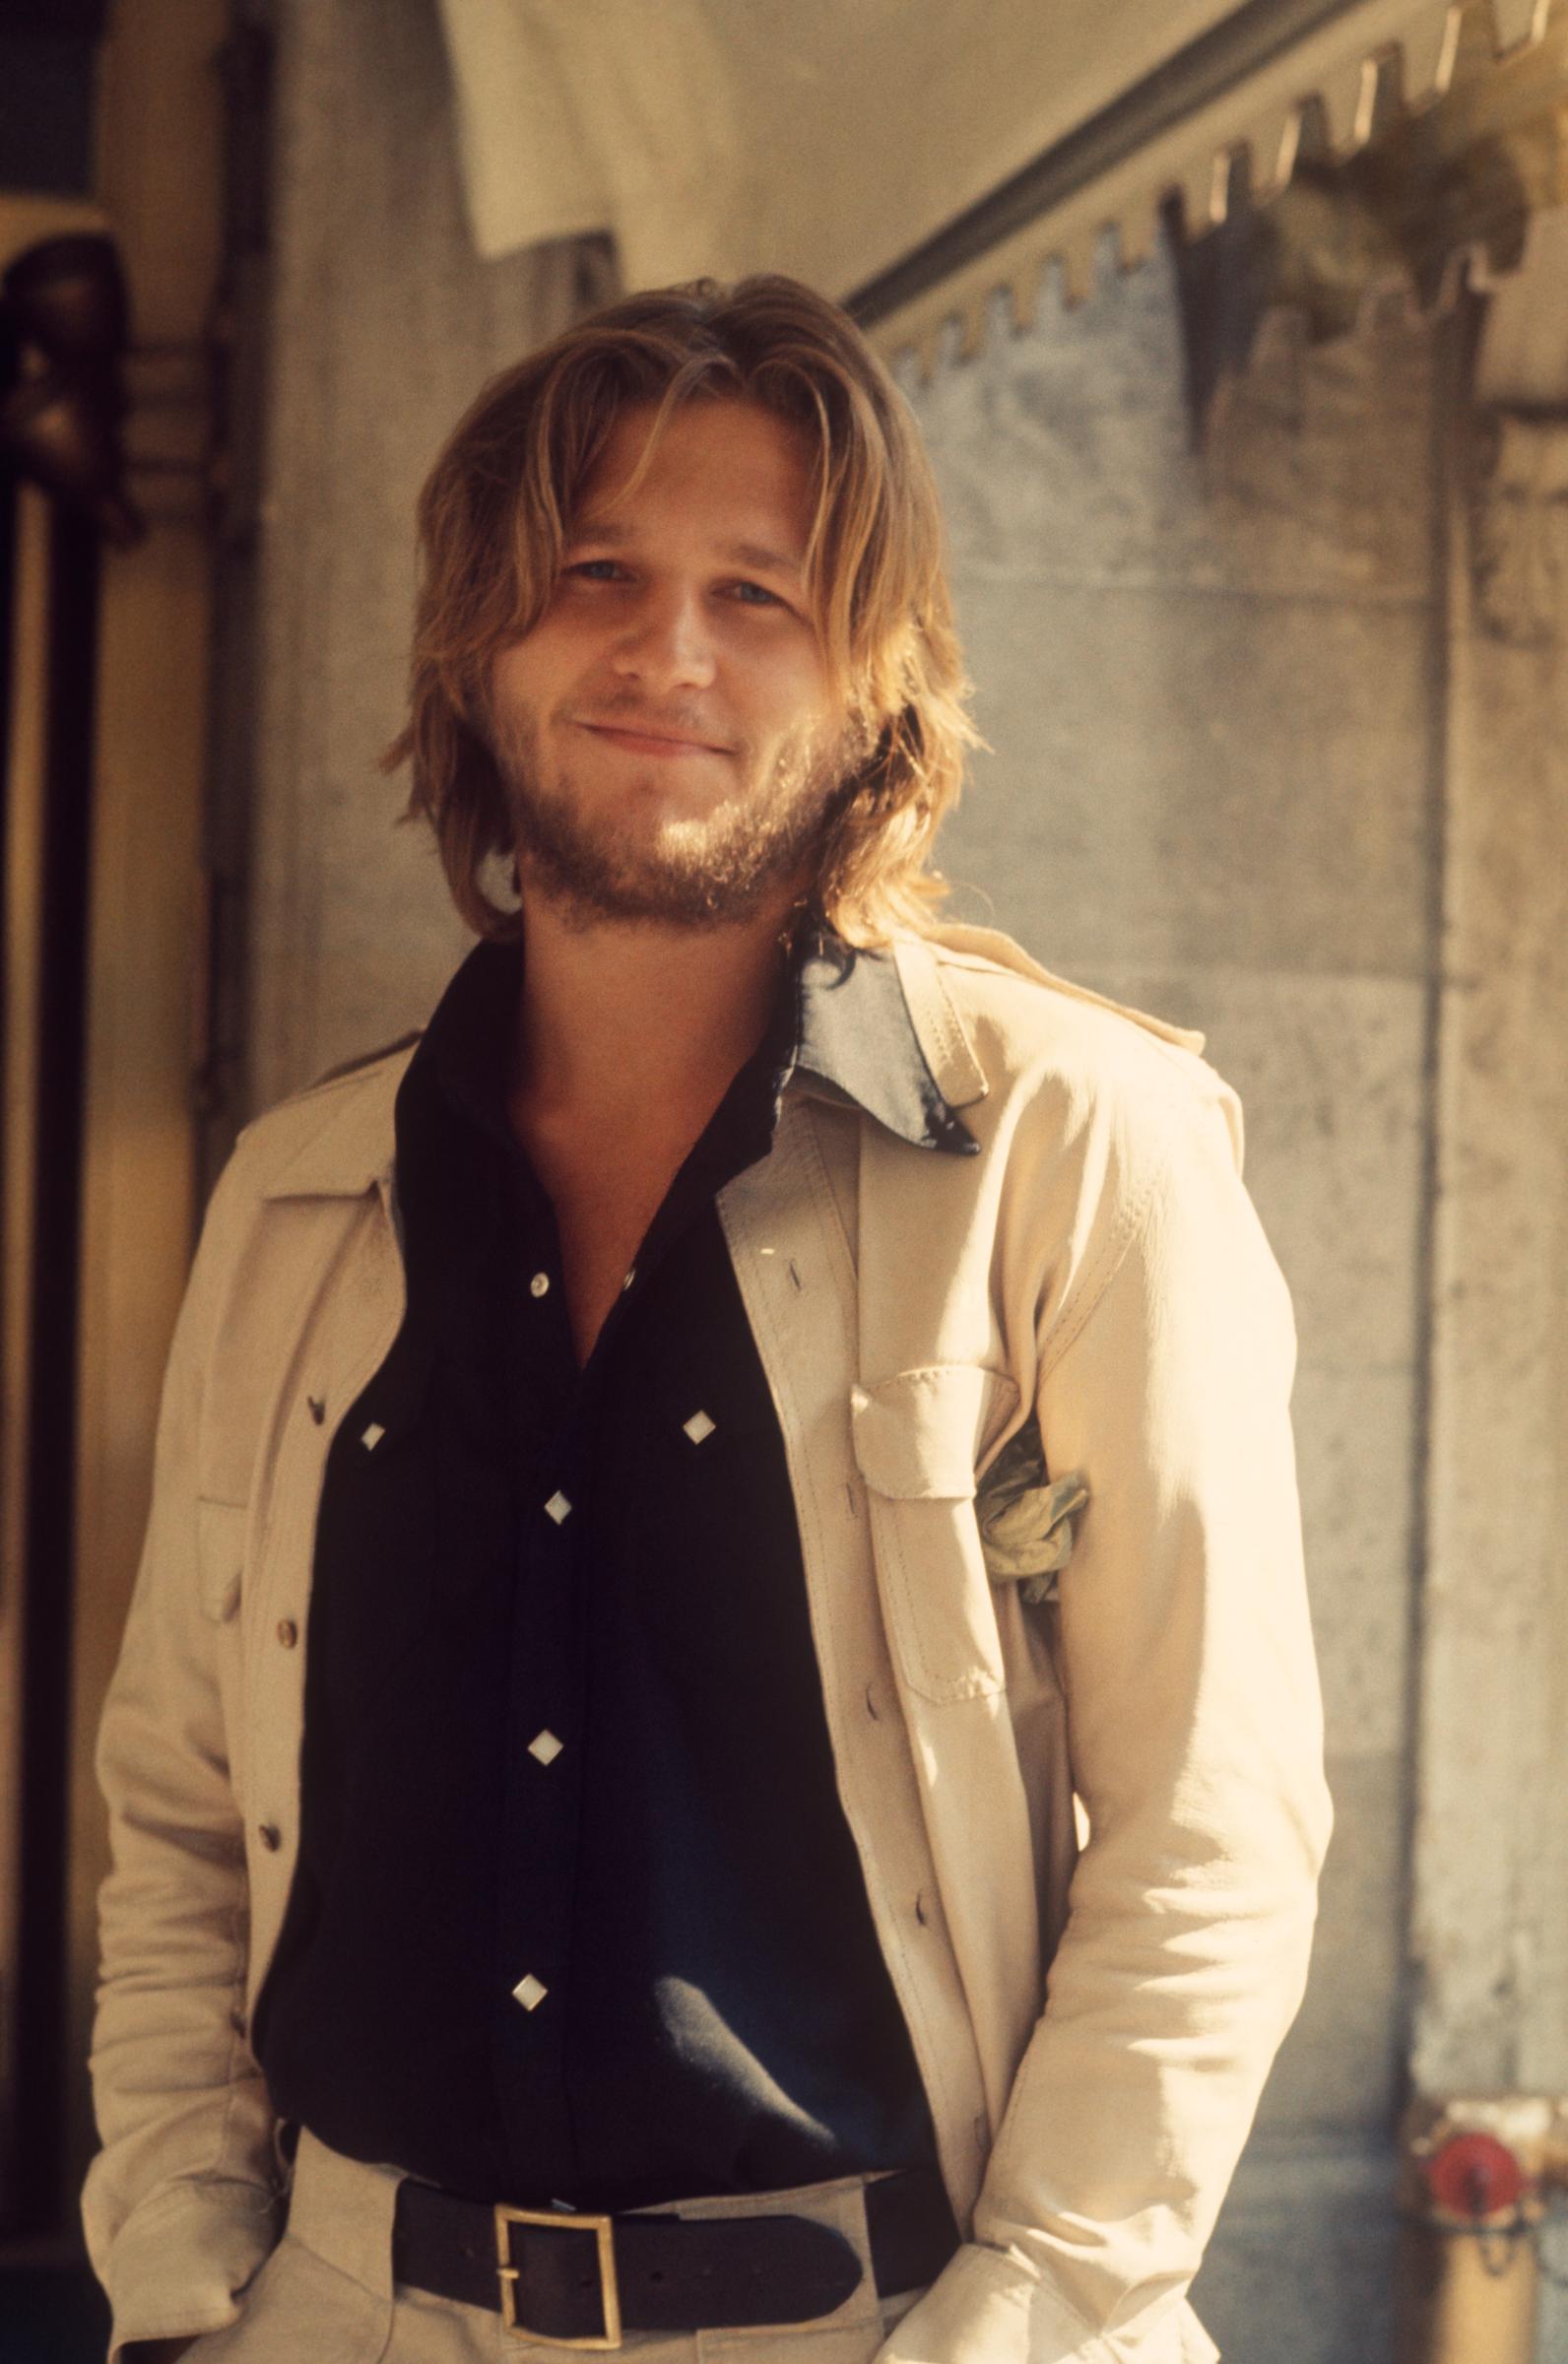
(917, 1437)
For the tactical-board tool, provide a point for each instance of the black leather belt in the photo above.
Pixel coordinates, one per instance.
(581, 2280)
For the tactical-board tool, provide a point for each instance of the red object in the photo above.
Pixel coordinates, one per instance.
(1477, 2176)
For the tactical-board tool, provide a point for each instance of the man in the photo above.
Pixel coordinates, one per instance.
(669, 1489)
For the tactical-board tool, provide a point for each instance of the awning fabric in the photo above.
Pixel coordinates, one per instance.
(832, 139)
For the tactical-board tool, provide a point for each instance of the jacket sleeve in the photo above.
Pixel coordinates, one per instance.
(180, 2204)
(1196, 1744)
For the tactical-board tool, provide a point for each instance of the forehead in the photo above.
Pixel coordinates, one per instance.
(725, 459)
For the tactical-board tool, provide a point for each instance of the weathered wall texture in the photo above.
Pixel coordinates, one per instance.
(386, 325)
(1490, 1925)
(1212, 689)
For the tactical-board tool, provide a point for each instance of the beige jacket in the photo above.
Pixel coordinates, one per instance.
(1093, 2029)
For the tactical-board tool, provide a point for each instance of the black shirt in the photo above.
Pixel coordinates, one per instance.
(577, 1915)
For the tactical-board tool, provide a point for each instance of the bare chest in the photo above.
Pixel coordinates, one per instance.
(602, 1216)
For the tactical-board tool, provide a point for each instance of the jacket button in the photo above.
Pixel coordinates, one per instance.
(269, 1837)
(288, 1632)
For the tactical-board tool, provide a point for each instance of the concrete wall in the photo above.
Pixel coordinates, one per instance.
(1213, 690)
(385, 327)
(1490, 1922)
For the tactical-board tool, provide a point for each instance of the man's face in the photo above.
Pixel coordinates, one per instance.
(666, 731)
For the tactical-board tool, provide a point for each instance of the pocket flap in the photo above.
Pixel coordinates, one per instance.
(220, 1556)
(918, 1436)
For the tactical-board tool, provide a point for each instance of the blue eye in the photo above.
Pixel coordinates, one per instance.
(603, 570)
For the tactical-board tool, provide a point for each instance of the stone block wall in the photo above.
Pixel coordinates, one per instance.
(1211, 684)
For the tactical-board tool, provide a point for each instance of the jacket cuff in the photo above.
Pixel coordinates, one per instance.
(180, 2261)
(984, 2308)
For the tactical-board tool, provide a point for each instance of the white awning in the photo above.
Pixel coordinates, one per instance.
(838, 139)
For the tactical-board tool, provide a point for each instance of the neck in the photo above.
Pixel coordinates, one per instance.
(637, 1023)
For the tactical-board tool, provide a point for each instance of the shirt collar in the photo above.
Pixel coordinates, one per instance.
(842, 1028)
(854, 1034)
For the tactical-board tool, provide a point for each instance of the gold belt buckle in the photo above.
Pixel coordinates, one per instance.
(557, 2219)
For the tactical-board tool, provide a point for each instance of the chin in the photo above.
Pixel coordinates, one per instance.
(659, 823)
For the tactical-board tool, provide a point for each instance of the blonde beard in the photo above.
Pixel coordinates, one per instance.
(718, 870)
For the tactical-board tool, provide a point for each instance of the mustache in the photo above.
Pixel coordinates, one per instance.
(680, 722)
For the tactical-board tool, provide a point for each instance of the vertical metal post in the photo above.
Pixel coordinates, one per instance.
(49, 1480)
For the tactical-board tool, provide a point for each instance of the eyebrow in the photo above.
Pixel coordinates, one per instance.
(755, 554)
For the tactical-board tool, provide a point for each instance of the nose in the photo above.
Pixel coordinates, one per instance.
(668, 644)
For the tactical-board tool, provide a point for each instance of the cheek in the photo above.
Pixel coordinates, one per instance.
(533, 672)
(797, 703)
(514, 677)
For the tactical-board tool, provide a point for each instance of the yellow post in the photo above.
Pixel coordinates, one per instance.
(1470, 2298)
(1475, 2177)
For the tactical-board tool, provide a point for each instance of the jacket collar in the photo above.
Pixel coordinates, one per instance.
(941, 1032)
(348, 1148)
(872, 1029)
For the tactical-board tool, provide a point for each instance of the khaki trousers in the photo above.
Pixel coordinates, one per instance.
(326, 2294)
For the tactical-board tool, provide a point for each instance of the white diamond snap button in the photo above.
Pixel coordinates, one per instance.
(699, 1426)
(529, 1991)
(558, 1507)
(546, 1746)
(539, 1287)
(372, 1436)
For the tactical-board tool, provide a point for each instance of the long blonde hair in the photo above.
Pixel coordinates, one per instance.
(496, 511)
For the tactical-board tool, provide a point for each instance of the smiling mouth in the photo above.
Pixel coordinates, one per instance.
(652, 743)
